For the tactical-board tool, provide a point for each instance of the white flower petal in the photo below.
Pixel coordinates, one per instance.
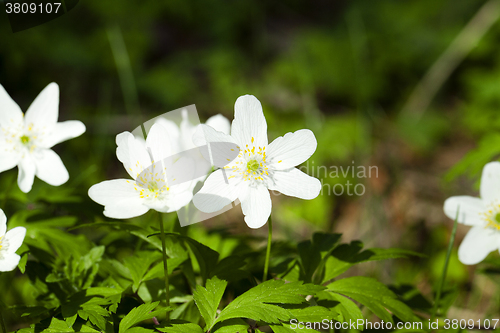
(15, 238)
(9, 159)
(219, 123)
(9, 262)
(256, 206)
(127, 209)
(173, 133)
(490, 182)
(468, 208)
(44, 111)
(114, 191)
(64, 131)
(171, 203)
(131, 151)
(50, 168)
(296, 183)
(222, 147)
(180, 173)
(180, 200)
(477, 244)
(291, 149)
(3, 223)
(186, 132)
(158, 142)
(10, 112)
(216, 193)
(120, 198)
(26, 175)
(249, 122)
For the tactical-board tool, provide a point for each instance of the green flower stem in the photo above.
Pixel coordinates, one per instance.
(445, 268)
(2, 324)
(125, 73)
(165, 265)
(268, 251)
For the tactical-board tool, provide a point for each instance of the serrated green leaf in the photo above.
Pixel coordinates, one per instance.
(347, 309)
(138, 265)
(181, 328)
(140, 330)
(207, 299)
(228, 269)
(259, 302)
(231, 326)
(136, 315)
(205, 256)
(313, 313)
(312, 253)
(157, 270)
(57, 326)
(347, 255)
(375, 296)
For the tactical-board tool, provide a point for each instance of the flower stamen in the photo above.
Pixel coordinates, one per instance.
(492, 216)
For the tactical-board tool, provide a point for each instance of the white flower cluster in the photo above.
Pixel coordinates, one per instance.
(247, 175)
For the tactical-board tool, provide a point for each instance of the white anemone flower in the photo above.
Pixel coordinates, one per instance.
(258, 167)
(483, 214)
(26, 140)
(159, 182)
(10, 241)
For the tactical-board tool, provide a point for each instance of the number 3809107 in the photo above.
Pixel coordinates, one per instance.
(32, 8)
(471, 324)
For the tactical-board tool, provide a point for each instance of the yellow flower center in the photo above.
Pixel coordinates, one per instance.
(492, 216)
(25, 139)
(252, 165)
(151, 183)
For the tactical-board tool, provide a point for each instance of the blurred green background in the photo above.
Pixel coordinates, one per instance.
(347, 70)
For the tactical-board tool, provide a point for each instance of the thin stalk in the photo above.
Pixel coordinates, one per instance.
(445, 268)
(268, 251)
(165, 265)
(125, 73)
(2, 324)
(450, 59)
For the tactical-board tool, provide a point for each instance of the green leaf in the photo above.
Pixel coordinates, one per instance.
(345, 256)
(259, 303)
(205, 256)
(138, 265)
(347, 309)
(24, 259)
(181, 328)
(136, 315)
(313, 253)
(157, 270)
(313, 313)
(207, 300)
(57, 326)
(375, 296)
(140, 330)
(231, 326)
(229, 269)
